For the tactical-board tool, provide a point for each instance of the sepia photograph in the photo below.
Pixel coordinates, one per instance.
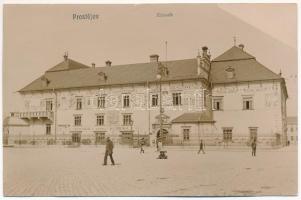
(150, 100)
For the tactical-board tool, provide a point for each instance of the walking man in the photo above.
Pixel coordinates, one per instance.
(253, 146)
(109, 151)
(202, 147)
(141, 145)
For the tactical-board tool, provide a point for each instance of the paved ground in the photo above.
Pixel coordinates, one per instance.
(79, 172)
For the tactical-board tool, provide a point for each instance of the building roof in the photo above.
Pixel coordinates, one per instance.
(245, 66)
(71, 74)
(69, 64)
(234, 53)
(119, 74)
(292, 120)
(194, 117)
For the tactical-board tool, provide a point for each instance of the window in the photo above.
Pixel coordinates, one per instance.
(292, 138)
(78, 120)
(100, 120)
(176, 99)
(292, 129)
(154, 100)
(99, 137)
(217, 103)
(48, 129)
(49, 105)
(227, 134)
(79, 103)
(253, 133)
(101, 101)
(185, 134)
(126, 101)
(247, 103)
(127, 119)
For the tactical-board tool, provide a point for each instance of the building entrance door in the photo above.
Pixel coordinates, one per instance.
(76, 137)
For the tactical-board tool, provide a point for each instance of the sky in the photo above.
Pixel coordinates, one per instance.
(37, 36)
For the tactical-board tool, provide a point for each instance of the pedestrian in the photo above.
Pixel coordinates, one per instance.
(160, 145)
(141, 145)
(253, 146)
(109, 151)
(202, 147)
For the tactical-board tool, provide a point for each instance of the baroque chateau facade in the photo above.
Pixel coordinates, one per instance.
(230, 100)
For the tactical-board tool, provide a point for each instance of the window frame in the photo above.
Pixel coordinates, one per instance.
(100, 120)
(77, 120)
(217, 100)
(155, 98)
(227, 134)
(48, 129)
(250, 104)
(79, 103)
(126, 119)
(126, 101)
(176, 98)
(101, 101)
(186, 134)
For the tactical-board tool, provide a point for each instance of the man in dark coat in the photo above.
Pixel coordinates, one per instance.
(109, 151)
(253, 146)
(202, 147)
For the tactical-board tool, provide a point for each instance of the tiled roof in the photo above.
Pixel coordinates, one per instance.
(194, 117)
(71, 74)
(246, 67)
(119, 74)
(67, 65)
(234, 53)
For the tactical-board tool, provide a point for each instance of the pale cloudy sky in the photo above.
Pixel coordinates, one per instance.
(36, 37)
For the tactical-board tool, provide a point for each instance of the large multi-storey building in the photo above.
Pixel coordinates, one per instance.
(230, 99)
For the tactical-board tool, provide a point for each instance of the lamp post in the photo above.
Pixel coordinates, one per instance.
(131, 124)
(162, 72)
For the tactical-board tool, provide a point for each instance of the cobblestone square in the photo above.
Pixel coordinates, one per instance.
(62, 171)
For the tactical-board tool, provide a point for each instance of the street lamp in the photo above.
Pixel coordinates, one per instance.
(161, 72)
(131, 124)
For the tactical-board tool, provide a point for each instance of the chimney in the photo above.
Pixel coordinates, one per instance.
(93, 65)
(241, 46)
(66, 56)
(154, 58)
(205, 49)
(108, 63)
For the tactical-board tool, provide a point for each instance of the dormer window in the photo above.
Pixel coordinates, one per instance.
(45, 81)
(230, 72)
(102, 75)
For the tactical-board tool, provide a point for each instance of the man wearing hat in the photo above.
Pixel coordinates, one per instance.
(109, 151)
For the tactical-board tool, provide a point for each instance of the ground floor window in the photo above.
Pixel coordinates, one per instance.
(186, 133)
(48, 129)
(227, 134)
(76, 137)
(253, 133)
(99, 137)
